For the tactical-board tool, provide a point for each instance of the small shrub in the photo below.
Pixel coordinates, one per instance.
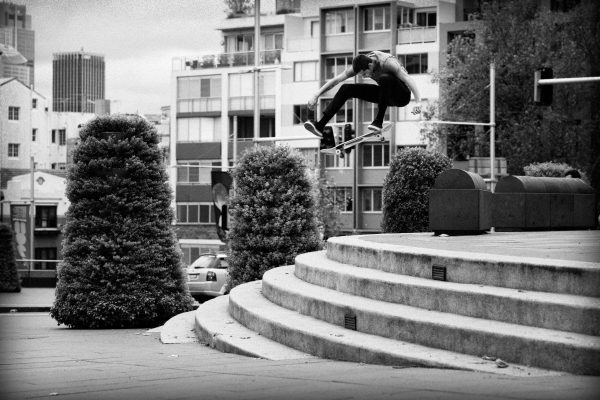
(273, 213)
(9, 276)
(406, 189)
(550, 169)
(121, 265)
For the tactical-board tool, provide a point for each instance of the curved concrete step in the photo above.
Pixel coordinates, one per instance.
(543, 348)
(310, 335)
(217, 329)
(540, 309)
(405, 256)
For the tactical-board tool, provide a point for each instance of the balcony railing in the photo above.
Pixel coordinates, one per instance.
(245, 103)
(418, 34)
(224, 60)
(205, 104)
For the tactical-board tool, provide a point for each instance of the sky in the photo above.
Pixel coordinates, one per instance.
(138, 39)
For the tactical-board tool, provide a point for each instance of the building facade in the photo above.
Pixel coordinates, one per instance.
(16, 31)
(302, 45)
(78, 80)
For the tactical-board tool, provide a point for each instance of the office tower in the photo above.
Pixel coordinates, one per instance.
(15, 31)
(77, 81)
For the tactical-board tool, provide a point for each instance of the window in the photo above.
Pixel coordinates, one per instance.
(414, 63)
(314, 29)
(34, 134)
(372, 200)
(343, 198)
(201, 130)
(45, 253)
(34, 103)
(305, 71)
(336, 65)
(13, 113)
(302, 113)
(345, 115)
(427, 19)
(195, 87)
(271, 41)
(287, 6)
(376, 154)
(192, 172)
(332, 161)
(59, 166)
(377, 18)
(53, 135)
(339, 21)
(405, 17)
(370, 111)
(195, 213)
(62, 137)
(13, 150)
(45, 217)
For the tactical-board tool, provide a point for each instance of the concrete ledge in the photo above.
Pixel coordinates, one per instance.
(248, 306)
(217, 329)
(543, 348)
(410, 254)
(540, 309)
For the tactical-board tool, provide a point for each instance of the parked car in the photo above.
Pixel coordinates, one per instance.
(207, 276)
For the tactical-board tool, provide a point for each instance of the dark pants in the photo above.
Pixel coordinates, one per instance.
(389, 91)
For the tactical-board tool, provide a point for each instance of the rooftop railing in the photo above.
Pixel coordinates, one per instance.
(225, 60)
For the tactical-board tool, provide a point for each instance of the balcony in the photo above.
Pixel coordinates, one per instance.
(417, 34)
(226, 60)
(245, 103)
(205, 104)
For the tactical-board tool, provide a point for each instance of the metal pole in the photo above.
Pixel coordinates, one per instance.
(256, 70)
(492, 125)
(555, 81)
(31, 215)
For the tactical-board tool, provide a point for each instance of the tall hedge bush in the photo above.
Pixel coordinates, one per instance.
(406, 189)
(122, 266)
(9, 276)
(550, 169)
(273, 213)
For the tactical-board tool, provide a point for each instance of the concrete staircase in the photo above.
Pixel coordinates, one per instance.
(390, 303)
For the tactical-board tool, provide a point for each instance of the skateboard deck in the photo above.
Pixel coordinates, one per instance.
(343, 148)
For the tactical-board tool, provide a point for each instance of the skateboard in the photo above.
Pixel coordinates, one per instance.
(343, 148)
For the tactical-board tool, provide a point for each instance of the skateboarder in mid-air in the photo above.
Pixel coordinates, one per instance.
(393, 88)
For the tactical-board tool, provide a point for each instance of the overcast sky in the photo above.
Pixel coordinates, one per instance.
(138, 39)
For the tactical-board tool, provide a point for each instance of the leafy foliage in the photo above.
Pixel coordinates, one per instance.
(9, 276)
(328, 211)
(520, 36)
(551, 169)
(121, 264)
(273, 213)
(406, 189)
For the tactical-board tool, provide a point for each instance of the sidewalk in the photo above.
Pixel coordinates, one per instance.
(28, 300)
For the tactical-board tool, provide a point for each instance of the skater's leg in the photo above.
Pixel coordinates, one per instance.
(360, 91)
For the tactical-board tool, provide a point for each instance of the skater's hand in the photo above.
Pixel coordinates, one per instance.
(416, 109)
(312, 102)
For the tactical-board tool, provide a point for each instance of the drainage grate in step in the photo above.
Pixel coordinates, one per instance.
(438, 273)
(350, 321)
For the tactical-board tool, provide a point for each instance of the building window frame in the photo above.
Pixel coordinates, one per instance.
(195, 213)
(371, 200)
(376, 155)
(306, 71)
(343, 198)
(34, 132)
(302, 113)
(45, 217)
(377, 19)
(415, 63)
(332, 161)
(339, 21)
(13, 113)
(334, 65)
(13, 151)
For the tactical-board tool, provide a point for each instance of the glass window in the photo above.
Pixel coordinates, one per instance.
(414, 63)
(305, 71)
(62, 137)
(195, 213)
(34, 134)
(45, 217)
(302, 113)
(376, 154)
(339, 21)
(13, 150)
(377, 18)
(336, 65)
(427, 19)
(45, 253)
(343, 198)
(13, 113)
(372, 200)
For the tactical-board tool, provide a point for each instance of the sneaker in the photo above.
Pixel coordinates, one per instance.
(375, 126)
(311, 126)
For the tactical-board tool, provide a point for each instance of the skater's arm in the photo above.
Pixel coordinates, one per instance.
(347, 73)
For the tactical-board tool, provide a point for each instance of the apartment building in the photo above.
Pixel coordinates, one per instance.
(302, 45)
(16, 31)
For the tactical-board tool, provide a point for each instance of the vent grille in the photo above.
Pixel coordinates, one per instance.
(438, 273)
(350, 321)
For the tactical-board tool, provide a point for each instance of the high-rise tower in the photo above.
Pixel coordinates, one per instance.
(15, 31)
(77, 81)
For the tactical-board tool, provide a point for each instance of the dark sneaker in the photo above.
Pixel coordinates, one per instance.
(312, 128)
(375, 126)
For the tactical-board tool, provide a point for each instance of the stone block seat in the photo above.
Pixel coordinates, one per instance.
(530, 299)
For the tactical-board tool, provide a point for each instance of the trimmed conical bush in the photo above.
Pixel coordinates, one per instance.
(122, 266)
(273, 213)
(9, 276)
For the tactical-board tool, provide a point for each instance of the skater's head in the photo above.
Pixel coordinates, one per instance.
(362, 63)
